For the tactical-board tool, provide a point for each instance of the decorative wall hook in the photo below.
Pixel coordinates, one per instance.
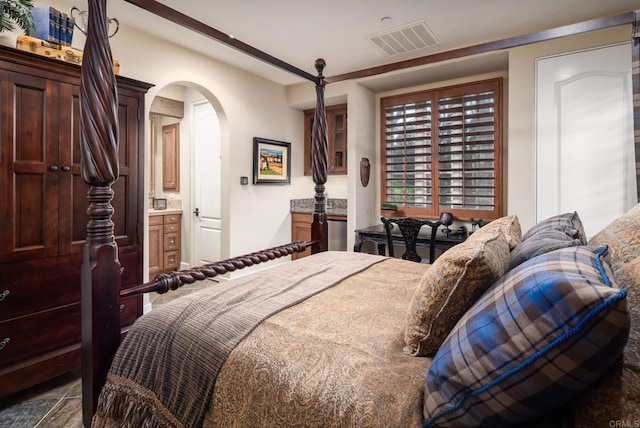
(365, 170)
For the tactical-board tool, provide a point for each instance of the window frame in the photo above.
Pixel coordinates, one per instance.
(435, 95)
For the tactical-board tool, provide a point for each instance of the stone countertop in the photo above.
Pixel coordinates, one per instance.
(336, 207)
(164, 212)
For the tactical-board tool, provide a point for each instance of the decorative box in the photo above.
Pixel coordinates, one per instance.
(54, 50)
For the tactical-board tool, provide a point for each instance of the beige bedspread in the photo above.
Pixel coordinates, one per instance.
(334, 360)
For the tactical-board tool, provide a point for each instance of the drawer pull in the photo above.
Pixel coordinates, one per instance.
(4, 342)
(4, 294)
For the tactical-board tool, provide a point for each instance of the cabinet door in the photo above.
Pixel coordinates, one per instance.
(29, 168)
(156, 247)
(336, 139)
(125, 202)
(301, 231)
(171, 158)
(337, 130)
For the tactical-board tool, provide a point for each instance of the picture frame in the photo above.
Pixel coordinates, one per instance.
(159, 204)
(271, 161)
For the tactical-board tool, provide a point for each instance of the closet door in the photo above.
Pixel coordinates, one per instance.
(29, 168)
(584, 135)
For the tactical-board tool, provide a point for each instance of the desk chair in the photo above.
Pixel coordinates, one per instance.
(410, 227)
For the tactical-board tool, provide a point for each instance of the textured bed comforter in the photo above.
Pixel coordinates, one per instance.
(333, 359)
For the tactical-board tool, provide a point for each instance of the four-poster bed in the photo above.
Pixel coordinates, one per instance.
(101, 292)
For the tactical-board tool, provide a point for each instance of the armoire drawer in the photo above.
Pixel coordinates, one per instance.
(57, 283)
(24, 337)
(38, 333)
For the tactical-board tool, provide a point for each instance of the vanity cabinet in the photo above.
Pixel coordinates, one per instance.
(301, 231)
(164, 243)
(336, 139)
(43, 219)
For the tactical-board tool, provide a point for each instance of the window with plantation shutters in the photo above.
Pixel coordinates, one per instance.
(442, 151)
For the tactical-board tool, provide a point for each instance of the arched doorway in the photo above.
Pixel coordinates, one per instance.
(199, 197)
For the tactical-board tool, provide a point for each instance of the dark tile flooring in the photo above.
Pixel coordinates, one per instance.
(57, 403)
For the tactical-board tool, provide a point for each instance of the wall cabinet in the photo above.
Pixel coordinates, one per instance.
(164, 243)
(336, 139)
(43, 218)
(171, 157)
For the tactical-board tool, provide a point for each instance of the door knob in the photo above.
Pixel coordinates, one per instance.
(197, 212)
(66, 168)
(53, 168)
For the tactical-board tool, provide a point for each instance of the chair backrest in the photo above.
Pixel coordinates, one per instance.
(410, 228)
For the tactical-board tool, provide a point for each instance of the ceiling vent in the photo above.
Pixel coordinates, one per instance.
(405, 39)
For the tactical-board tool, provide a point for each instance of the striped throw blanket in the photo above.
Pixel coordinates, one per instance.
(165, 370)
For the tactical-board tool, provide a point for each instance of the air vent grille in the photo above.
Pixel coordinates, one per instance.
(404, 39)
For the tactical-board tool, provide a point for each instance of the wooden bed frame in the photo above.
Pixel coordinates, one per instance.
(101, 269)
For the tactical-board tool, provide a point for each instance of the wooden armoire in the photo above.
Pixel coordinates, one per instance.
(43, 214)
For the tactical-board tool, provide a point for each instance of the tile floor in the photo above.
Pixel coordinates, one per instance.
(57, 403)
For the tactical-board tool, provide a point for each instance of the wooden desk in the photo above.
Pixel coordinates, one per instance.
(378, 235)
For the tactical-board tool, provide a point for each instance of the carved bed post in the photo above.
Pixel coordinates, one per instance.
(100, 268)
(319, 161)
(635, 77)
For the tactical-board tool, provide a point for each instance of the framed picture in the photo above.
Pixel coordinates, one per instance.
(271, 161)
(159, 204)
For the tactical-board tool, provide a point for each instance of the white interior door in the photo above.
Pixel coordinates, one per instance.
(207, 219)
(584, 135)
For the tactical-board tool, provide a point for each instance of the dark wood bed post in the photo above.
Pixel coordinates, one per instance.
(635, 78)
(100, 268)
(319, 162)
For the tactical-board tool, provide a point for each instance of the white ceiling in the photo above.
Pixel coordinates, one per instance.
(299, 31)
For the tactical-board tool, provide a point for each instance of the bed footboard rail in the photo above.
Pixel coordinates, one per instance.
(174, 280)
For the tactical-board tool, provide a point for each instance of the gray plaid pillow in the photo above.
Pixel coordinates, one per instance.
(540, 335)
(568, 223)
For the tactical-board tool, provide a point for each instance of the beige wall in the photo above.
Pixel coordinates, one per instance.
(519, 114)
(254, 216)
(250, 106)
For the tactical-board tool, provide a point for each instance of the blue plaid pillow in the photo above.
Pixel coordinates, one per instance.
(541, 334)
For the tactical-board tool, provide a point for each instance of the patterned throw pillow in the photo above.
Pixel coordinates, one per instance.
(451, 285)
(508, 225)
(540, 243)
(568, 223)
(616, 393)
(538, 337)
(622, 236)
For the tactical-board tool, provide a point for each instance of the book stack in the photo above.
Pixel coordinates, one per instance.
(53, 26)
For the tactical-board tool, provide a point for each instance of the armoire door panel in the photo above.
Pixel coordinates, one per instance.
(127, 185)
(125, 202)
(30, 168)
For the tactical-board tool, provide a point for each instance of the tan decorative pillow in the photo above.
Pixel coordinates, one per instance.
(451, 285)
(623, 238)
(509, 225)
